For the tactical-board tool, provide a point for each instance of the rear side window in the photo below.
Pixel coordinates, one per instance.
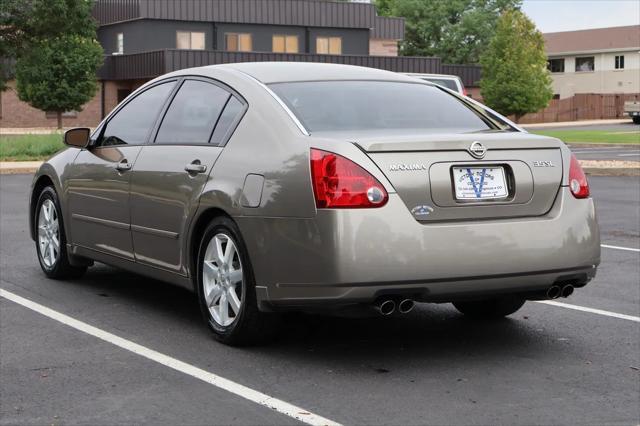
(227, 121)
(370, 105)
(193, 113)
(132, 124)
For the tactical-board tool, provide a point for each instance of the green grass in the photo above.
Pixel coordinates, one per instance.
(29, 147)
(592, 136)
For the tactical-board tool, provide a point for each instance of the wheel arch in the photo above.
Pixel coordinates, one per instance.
(39, 185)
(200, 223)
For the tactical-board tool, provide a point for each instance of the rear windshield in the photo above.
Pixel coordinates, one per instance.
(449, 84)
(370, 105)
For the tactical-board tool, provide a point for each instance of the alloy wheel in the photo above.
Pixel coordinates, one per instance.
(48, 234)
(222, 279)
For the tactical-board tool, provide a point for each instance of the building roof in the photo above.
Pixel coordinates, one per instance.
(593, 40)
(306, 13)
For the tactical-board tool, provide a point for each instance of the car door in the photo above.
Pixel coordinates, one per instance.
(99, 179)
(170, 173)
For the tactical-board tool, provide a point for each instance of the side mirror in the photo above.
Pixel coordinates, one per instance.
(78, 137)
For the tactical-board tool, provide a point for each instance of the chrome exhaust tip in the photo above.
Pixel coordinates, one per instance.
(386, 307)
(567, 290)
(405, 306)
(554, 292)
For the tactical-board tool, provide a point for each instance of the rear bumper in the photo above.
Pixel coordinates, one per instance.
(354, 256)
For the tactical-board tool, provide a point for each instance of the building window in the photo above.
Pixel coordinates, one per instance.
(585, 64)
(620, 62)
(285, 44)
(190, 40)
(329, 45)
(556, 65)
(238, 42)
(119, 44)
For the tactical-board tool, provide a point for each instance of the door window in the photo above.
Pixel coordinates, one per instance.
(133, 122)
(228, 120)
(193, 113)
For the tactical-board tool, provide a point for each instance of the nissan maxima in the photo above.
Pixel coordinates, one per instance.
(272, 187)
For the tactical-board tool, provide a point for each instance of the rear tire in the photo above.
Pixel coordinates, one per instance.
(226, 288)
(51, 243)
(636, 119)
(490, 308)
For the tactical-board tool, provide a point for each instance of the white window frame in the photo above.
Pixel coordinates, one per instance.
(119, 44)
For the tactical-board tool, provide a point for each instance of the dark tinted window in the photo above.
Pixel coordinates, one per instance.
(192, 113)
(132, 123)
(227, 120)
(449, 84)
(369, 105)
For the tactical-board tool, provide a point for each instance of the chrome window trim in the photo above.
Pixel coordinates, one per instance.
(280, 101)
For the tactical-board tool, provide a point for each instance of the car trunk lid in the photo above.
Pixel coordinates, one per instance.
(439, 178)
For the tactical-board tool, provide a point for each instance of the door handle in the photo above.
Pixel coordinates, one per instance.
(123, 166)
(195, 167)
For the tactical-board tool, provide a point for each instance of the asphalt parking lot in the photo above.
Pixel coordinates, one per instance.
(544, 365)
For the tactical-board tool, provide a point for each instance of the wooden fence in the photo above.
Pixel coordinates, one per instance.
(582, 106)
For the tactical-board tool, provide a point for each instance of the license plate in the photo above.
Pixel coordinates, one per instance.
(479, 183)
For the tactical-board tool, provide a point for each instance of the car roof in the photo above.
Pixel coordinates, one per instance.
(276, 72)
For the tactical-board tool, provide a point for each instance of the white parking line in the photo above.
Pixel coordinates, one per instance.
(590, 310)
(275, 404)
(620, 248)
(629, 155)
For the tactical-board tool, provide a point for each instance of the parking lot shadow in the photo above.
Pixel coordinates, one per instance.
(430, 331)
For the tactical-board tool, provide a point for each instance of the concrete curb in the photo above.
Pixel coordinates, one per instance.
(18, 167)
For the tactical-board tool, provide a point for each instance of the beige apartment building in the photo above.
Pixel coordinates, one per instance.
(602, 60)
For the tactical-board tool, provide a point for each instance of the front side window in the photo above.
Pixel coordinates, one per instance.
(377, 105)
(619, 65)
(238, 42)
(329, 45)
(133, 122)
(285, 44)
(193, 113)
(585, 64)
(555, 65)
(190, 40)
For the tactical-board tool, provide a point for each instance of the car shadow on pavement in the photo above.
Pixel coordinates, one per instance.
(430, 332)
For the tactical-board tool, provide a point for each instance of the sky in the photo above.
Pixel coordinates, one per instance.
(569, 15)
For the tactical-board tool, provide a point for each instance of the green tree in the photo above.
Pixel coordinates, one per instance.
(515, 79)
(56, 52)
(59, 74)
(455, 30)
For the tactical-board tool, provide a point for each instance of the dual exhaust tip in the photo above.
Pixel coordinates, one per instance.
(387, 306)
(556, 291)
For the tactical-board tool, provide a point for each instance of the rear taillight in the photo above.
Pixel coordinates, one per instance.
(464, 91)
(339, 183)
(577, 179)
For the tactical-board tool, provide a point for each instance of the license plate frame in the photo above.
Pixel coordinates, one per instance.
(489, 183)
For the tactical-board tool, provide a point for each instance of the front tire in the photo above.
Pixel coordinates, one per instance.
(636, 119)
(51, 244)
(226, 287)
(490, 308)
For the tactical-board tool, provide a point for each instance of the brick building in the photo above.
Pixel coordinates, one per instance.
(143, 39)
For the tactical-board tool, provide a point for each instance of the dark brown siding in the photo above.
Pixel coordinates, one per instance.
(388, 28)
(308, 13)
(153, 64)
(470, 74)
(110, 11)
